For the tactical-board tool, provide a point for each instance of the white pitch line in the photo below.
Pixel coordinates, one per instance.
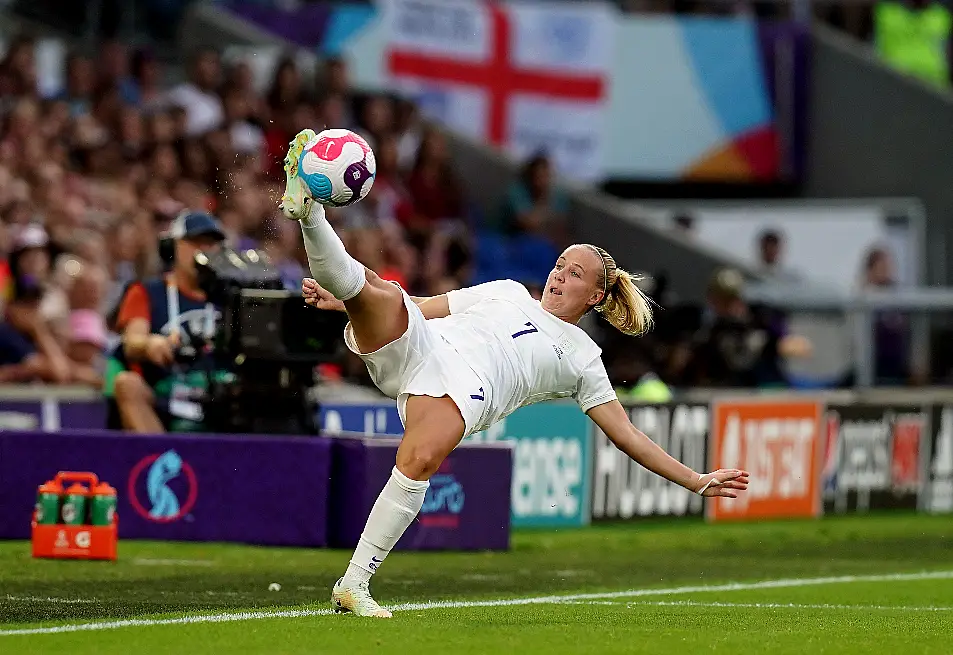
(184, 620)
(793, 606)
(508, 602)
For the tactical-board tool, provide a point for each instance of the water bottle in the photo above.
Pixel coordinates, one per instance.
(74, 505)
(102, 504)
(48, 503)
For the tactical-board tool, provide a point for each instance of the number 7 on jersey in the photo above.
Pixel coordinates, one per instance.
(530, 330)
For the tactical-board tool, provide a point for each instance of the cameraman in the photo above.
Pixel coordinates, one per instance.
(158, 318)
(739, 345)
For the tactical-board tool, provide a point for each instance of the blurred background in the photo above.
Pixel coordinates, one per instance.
(776, 171)
(773, 168)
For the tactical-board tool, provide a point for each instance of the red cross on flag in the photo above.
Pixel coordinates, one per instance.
(524, 76)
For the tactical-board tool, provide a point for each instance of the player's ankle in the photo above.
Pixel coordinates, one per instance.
(315, 215)
(355, 575)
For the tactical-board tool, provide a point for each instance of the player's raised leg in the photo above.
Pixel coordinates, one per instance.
(375, 307)
(434, 428)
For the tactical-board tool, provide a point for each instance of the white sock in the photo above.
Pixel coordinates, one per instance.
(392, 514)
(331, 266)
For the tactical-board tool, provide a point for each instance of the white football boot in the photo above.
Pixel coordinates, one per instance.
(296, 202)
(356, 599)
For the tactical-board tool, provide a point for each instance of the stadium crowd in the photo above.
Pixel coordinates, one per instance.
(90, 175)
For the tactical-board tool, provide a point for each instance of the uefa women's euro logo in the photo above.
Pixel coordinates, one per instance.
(444, 500)
(163, 487)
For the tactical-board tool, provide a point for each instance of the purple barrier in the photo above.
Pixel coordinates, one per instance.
(467, 506)
(258, 490)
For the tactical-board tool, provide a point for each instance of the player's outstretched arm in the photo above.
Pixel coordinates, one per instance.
(612, 418)
(318, 297)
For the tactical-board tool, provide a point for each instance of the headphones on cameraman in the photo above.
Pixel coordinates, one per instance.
(168, 238)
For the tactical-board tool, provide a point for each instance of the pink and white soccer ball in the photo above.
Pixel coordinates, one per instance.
(338, 167)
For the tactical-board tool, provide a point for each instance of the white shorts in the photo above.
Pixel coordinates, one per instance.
(422, 363)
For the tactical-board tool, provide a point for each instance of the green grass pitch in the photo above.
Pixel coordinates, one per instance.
(871, 584)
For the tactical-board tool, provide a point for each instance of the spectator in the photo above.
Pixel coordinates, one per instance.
(377, 119)
(241, 79)
(533, 217)
(156, 318)
(533, 206)
(87, 339)
(199, 96)
(770, 254)
(18, 67)
(737, 346)
(891, 328)
(286, 90)
(246, 137)
(30, 343)
(114, 71)
(147, 77)
(80, 81)
(433, 187)
(408, 131)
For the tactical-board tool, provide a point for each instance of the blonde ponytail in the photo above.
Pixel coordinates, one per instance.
(624, 304)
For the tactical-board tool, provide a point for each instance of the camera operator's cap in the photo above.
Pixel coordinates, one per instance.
(192, 224)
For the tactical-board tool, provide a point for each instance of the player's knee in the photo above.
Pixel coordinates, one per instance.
(420, 461)
(378, 283)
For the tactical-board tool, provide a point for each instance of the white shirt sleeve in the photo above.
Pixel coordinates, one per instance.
(461, 300)
(594, 388)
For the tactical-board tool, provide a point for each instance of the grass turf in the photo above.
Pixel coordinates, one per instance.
(172, 579)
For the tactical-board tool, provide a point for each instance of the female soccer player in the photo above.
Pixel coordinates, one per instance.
(459, 362)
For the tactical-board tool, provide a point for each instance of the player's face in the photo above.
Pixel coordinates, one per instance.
(573, 286)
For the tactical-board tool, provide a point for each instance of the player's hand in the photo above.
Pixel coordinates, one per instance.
(723, 482)
(160, 349)
(318, 297)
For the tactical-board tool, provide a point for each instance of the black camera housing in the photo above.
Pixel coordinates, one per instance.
(271, 342)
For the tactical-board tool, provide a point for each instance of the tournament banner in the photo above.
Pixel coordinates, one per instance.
(551, 462)
(525, 76)
(51, 414)
(938, 473)
(623, 489)
(777, 442)
(237, 488)
(467, 506)
(874, 456)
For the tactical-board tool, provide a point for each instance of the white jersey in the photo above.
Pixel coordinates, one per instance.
(522, 353)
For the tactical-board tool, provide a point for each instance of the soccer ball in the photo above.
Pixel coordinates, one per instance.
(338, 167)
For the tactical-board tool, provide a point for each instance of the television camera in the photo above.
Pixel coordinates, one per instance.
(263, 353)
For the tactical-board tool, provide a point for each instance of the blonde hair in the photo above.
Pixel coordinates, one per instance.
(623, 304)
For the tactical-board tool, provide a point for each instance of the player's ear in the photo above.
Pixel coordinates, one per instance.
(595, 298)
